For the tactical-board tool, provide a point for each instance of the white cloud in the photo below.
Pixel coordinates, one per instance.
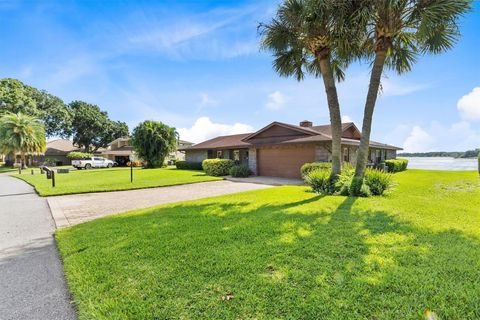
(204, 129)
(276, 100)
(459, 136)
(469, 105)
(419, 140)
(219, 33)
(391, 88)
(346, 118)
(206, 101)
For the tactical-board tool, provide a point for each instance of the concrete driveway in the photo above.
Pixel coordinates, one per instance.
(74, 209)
(32, 284)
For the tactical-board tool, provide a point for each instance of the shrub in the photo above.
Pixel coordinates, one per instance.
(312, 166)
(344, 180)
(78, 155)
(396, 165)
(135, 163)
(320, 181)
(153, 141)
(241, 171)
(188, 165)
(217, 167)
(377, 181)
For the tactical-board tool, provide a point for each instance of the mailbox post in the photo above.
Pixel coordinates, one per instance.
(50, 175)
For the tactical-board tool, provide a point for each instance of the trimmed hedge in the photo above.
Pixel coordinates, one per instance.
(240, 171)
(312, 166)
(188, 165)
(396, 165)
(217, 167)
(79, 155)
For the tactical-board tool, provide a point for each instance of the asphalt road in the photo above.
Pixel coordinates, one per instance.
(32, 283)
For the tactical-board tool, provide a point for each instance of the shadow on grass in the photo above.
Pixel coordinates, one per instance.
(313, 258)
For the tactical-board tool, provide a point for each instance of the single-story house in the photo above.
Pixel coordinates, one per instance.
(55, 153)
(280, 149)
(120, 150)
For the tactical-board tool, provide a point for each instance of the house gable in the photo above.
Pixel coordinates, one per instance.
(351, 132)
(279, 131)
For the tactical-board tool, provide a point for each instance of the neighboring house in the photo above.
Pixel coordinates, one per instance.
(280, 149)
(120, 150)
(55, 153)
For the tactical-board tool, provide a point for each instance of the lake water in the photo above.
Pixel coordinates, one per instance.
(441, 163)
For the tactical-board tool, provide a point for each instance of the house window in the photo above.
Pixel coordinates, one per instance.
(219, 154)
(346, 156)
(210, 154)
(236, 155)
(384, 154)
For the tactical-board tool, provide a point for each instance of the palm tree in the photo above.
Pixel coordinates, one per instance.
(310, 36)
(396, 32)
(22, 134)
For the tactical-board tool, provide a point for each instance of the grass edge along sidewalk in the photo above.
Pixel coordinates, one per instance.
(115, 179)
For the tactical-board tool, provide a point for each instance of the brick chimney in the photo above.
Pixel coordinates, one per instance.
(306, 124)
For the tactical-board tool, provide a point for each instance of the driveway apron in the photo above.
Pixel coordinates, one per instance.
(32, 283)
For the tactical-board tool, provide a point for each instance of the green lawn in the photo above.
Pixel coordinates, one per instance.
(83, 181)
(285, 253)
(6, 169)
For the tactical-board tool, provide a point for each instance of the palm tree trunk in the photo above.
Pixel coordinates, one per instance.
(334, 109)
(374, 85)
(22, 160)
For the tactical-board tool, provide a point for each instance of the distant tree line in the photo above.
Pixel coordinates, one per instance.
(453, 154)
(88, 126)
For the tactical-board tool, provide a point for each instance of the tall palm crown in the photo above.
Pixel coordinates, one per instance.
(21, 133)
(395, 33)
(311, 37)
(405, 29)
(304, 31)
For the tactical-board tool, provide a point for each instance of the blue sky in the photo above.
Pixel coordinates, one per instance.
(197, 66)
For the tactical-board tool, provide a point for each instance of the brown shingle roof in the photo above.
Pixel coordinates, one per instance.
(232, 141)
(60, 147)
(312, 135)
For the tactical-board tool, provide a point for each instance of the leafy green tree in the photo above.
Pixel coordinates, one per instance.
(17, 97)
(153, 141)
(396, 32)
(22, 134)
(313, 37)
(91, 128)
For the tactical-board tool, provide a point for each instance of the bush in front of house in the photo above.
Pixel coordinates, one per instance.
(312, 166)
(240, 171)
(376, 182)
(188, 165)
(320, 181)
(79, 155)
(396, 165)
(217, 167)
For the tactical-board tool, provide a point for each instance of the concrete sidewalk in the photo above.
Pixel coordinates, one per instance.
(32, 284)
(74, 209)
